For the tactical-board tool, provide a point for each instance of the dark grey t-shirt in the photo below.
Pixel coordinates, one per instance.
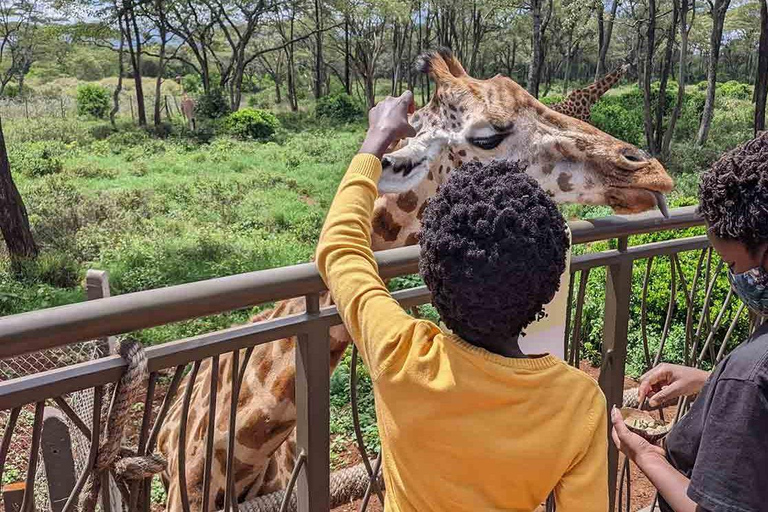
(722, 443)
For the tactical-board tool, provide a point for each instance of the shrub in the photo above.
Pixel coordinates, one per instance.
(736, 90)
(616, 120)
(552, 99)
(93, 101)
(37, 159)
(54, 268)
(338, 107)
(252, 124)
(212, 105)
(13, 91)
(191, 83)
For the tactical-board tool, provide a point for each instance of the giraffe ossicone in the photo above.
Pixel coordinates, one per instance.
(467, 119)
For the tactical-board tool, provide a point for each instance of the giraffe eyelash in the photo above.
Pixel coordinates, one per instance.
(488, 143)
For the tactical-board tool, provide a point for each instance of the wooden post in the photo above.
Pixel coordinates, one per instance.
(133, 116)
(618, 291)
(63, 112)
(13, 495)
(57, 457)
(26, 107)
(97, 287)
(167, 110)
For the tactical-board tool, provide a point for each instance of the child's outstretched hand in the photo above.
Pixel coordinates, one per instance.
(387, 123)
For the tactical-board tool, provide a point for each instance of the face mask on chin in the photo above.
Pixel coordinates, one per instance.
(752, 288)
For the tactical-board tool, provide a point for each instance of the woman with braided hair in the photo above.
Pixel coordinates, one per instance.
(716, 457)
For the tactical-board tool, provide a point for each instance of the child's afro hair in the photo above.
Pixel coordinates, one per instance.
(733, 194)
(493, 249)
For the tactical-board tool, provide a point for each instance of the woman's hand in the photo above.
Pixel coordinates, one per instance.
(387, 123)
(669, 381)
(629, 443)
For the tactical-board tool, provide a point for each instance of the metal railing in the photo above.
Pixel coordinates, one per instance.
(55, 327)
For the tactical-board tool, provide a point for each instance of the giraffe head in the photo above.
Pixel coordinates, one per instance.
(470, 119)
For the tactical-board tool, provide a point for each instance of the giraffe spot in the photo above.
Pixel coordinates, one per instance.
(440, 170)
(475, 159)
(385, 226)
(260, 429)
(564, 182)
(285, 344)
(548, 168)
(450, 157)
(407, 201)
(412, 239)
(221, 457)
(453, 117)
(420, 213)
(462, 109)
(220, 499)
(430, 176)
(452, 107)
(462, 153)
(458, 163)
(242, 469)
(284, 387)
(264, 368)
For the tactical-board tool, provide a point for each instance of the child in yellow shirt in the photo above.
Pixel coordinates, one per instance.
(467, 421)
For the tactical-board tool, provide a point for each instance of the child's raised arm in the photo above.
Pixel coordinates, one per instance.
(345, 260)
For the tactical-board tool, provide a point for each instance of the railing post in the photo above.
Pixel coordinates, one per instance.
(618, 290)
(97, 287)
(313, 414)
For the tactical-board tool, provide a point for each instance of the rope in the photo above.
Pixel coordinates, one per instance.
(346, 485)
(112, 456)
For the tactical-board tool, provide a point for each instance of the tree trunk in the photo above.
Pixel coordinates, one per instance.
(133, 38)
(761, 90)
(160, 72)
(647, 73)
(661, 107)
(318, 50)
(347, 81)
(534, 73)
(605, 32)
(718, 20)
(14, 222)
(120, 71)
(670, 133)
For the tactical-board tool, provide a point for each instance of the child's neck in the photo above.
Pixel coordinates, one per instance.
(508, 347)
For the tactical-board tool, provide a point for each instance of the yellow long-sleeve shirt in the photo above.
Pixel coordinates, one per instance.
(461, 428)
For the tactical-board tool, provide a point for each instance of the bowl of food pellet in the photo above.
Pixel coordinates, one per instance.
(645, 425)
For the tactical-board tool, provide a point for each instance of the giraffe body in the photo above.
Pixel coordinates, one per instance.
(467, 119)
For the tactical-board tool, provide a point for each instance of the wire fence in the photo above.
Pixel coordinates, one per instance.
(36, 107)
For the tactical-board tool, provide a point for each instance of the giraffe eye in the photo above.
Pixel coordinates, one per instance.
(488, 143)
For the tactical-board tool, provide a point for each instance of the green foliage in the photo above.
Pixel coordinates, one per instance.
(616, 120)
(338, 107)
(734, 89)
(93, 101)
(36, 159)
(252, 124)
(13, 91)
(212, 105)
(157, 493)
(192, 83)
(552, 99)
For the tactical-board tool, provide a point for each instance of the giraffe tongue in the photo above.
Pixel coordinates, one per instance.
(661, 203)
